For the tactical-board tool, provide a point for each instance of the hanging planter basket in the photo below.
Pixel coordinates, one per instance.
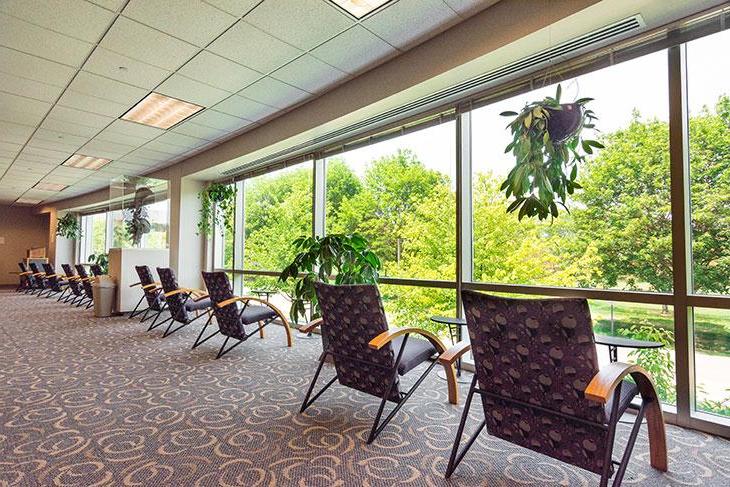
(548, 145)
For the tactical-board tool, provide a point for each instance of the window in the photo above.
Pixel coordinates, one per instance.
(400, 195)
(277, 209)
(618, 232)
(93, 238)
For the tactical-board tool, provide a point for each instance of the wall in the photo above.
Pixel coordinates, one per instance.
(20, 229)
(187, 250)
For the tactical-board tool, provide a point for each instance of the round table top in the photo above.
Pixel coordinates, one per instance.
(614, 341)
(263, 291)
(449, 320)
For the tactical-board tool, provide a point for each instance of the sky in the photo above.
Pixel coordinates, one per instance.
(640, 84)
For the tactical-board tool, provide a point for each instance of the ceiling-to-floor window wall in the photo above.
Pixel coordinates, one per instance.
(427, 196)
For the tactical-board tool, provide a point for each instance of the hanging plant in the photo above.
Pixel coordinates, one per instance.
(68, 226)
(136, 216)
(548, 145)
(222, 197)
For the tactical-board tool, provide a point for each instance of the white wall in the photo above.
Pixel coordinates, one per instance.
(188, 255)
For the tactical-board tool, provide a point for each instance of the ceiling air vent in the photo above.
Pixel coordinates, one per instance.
(587, 42)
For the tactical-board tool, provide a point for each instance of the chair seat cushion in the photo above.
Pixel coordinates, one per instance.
(416, 352)
(256, 313)
(628, 392)
(192, 305)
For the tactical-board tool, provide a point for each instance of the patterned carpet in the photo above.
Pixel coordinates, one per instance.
(87, 401)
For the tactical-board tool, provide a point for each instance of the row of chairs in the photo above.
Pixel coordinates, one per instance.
(73, 287)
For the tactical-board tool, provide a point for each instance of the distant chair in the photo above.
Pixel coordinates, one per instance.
(74, 284)
(151, 291)
(56, 283)
(233, 319)
(96, 270)
(181, 302)
(538, 377)
(41, 284)
(367, 355)
(26, 279)
(86, 284)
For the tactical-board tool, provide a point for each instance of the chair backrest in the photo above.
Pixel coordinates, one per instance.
(87, 283)
(534, 358)
(34, 268)
(96, 270)
(73, 283)
(153, 297)
(352, 316)
(175, 303)
(23, 267)
(38, 281)
(219, 290)
(50, 271)
(25, 279)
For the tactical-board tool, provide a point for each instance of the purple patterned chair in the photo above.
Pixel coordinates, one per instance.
(538, 378)
(56, 283)
(86, 284)
(151, 292)
(27, 281)
(233, 319)
(74, 284)
(39, 279)
(367, 356)
(185, 305)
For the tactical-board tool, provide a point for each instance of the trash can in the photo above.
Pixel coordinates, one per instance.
(105, 290)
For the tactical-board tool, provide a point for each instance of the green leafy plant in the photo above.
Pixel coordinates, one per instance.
(68, 226)
(338, 258)
(222, 197)
(548, 145)
(102, 260)
(136, 216)
(657, 361)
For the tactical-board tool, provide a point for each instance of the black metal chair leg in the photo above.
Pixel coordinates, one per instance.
(455, 459)
(629, 446)
(307, 402)
(198, 340)
(222, 352)
(134, 311)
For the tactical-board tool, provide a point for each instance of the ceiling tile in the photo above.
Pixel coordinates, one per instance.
(354, 50)
(92, 104)
(46, 154)
(467, 8)
(234, 7)
(192, 91)
(243, 43)
(220, 121)
(54, 145)
(309, 73)
(59, 137)
(20, 116)
(10, 147)
(303, 24)
(79, 117)
(73, 172)
(74, 18)
(29, 88)
(219, 72)
(423, 18)
(137, 130)
(66, 127)
(275, 93)
(125, 69)
(170, 150)
(200, 131)
(15, 132)
(195, 22)
(31, 39)
(32, 67)
(105, 149)
(12, 105)
(146, 44)
(108, 89)
(244, 108)
(113, 5)
(182, 141)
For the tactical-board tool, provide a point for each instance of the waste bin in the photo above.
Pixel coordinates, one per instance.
(105, 290)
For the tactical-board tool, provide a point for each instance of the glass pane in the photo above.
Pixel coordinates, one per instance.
(158, 217)
(224, 242)
(413, 306)
(709, 157)
(712, 360)
(618, 232)
(399, 194)
(278, 209)
(267, 287)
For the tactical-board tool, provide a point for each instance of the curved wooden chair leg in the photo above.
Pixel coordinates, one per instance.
(284, 322)
(451, 383)
(261, 330)
(655, 423)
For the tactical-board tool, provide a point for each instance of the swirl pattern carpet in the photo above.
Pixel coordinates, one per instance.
(94, 402)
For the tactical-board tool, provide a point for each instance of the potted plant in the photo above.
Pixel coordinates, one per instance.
(136, 216)
(548, 144)
(338, 258)
(220, 196)
(68, 226)
(102, 260)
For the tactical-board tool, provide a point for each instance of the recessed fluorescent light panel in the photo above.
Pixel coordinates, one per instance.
(359, 8)
(81, 161)
(50, 186)
(27, 201)
(161, 111)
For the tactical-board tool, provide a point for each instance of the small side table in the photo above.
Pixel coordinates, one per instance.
(614, 343)
(455, 334)
(264, 292)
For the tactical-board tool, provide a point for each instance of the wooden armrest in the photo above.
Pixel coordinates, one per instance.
(601, 388)
(309, 327)
(149, 286)
(453, 354)
(52, 275)
(200, 297)
(136, 284)
(89, 278)
(268, 304)
(24, 273)
(39, 274)
(236, 299)
(187, 290)
(387, 336)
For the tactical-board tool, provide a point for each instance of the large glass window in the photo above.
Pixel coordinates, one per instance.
(400, 195)
(618, 232)
(94, 232)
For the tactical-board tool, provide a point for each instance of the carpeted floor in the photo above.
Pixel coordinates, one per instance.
(87, 401)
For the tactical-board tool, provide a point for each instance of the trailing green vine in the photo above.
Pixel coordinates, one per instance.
(221, 197)
(68, 226)
(547, 144)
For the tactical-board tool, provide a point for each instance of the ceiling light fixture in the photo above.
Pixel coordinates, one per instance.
(359, 8)
(161, 111)
(27, 201)
(81, 161)
(50, 186)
